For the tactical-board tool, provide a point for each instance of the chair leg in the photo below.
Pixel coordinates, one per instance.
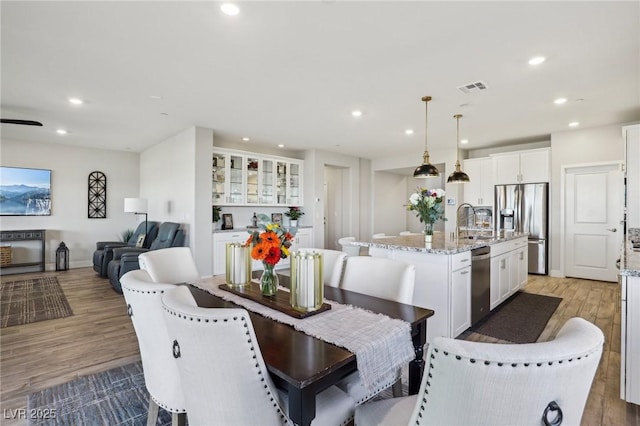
(397, 388)
(178, 419)
(152, 415)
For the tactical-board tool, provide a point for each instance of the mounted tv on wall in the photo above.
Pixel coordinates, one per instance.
(25, 192)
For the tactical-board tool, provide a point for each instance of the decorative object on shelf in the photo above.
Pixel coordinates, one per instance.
(216, 213)
(62, 257)
(254, 220)
(307, 285)
(429, 207)
(426, 169)
(137, 206)
(294, 213)
(97, 208)
(458, 176)
(276, 218)
(238, 264)
(227, 221)
(269, 244)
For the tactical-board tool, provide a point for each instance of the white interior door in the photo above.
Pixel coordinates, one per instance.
(593, 211)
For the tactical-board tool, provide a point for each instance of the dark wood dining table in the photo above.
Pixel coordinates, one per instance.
(303, 365)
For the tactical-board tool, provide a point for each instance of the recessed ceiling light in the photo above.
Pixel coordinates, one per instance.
(464, 141)
(574, 124)
(246, 139)
(61, 131)
(560, 101)
(280, 145)
(76, 101)
(408, 132)
(230, 9)
(537, 60)
(156, 97)
(356, 113)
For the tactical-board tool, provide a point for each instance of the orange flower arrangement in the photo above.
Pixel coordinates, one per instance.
(270, 245)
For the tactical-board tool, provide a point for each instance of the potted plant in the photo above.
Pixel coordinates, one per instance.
(216, 214)
(294, 213)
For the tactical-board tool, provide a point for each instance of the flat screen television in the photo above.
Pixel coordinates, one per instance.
(25, 192)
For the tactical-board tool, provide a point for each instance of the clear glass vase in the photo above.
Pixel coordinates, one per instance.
(268, 281)
(428, 232)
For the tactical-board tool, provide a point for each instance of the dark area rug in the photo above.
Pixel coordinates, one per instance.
(27, 301)
(114, 397)
(520, 319)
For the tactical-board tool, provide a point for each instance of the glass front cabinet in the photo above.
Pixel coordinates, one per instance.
(228, 179)
(246, 179)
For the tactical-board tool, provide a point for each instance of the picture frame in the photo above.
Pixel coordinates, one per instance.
(140, 240)
(227, 221)
(276, 218)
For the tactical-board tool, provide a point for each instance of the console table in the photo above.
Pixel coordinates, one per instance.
(9, 237)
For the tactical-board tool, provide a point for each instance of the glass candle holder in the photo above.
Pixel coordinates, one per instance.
(307, 286)
(238, 264)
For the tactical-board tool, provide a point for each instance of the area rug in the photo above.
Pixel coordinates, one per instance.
(27, 301)
(114, 397)
(521, 319)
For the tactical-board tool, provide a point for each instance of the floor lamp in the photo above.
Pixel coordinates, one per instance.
(137, 206)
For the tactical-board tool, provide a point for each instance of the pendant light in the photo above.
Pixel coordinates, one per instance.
(458, 176)
(426, 169)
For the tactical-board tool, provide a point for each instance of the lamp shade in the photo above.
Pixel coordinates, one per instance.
(135, 205)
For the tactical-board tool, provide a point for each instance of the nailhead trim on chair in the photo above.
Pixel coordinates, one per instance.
(251, 348)
(472, 360)
(130, 313)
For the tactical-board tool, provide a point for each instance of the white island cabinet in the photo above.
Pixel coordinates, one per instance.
(443, 274)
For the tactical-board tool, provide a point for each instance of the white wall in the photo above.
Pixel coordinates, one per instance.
(391, 196)
(70, 167)
(444, 159)
(577, 147)
(176, 179)
(357, 215)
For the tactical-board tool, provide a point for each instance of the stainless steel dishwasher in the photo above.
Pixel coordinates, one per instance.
(480, 283)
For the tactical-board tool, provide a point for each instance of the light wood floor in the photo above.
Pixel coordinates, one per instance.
(99, 336)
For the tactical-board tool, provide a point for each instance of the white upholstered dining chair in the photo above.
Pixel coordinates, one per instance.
(224, 377)
(380, 277)
(332, 264)
(499, 384)
(348, 247)
(144, 306)
(172, 265)
(384, 278)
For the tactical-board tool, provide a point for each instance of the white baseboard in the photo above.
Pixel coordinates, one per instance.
(556, 273)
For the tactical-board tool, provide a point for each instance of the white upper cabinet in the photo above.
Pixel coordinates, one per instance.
(631, 135)
(479, 190)
(246, 179)
(228, 179)
(531, 166)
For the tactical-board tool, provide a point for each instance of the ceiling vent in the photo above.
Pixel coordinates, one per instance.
(473, 87)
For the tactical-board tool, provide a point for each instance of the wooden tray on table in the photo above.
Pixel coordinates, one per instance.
(280, 301)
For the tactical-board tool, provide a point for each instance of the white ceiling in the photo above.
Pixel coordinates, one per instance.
(292, 72)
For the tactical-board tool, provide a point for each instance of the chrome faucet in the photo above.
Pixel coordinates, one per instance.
(458, 218)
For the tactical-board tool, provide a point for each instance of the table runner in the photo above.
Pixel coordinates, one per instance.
(382, 345)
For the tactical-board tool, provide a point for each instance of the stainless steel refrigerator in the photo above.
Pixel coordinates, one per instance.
(525, 208)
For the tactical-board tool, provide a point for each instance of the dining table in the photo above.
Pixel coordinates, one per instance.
(303, 365)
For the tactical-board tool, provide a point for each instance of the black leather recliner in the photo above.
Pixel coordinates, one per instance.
(104, 249)
(125, 259)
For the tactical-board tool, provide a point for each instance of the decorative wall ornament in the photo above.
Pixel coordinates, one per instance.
(97, 195)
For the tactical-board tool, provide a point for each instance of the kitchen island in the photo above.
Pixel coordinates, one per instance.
(443, 273)
(630, 318)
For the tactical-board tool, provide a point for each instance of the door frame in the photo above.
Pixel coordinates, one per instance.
(563, 191)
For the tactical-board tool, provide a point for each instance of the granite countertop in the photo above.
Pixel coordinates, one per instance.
(442, 243)
(630, 260)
